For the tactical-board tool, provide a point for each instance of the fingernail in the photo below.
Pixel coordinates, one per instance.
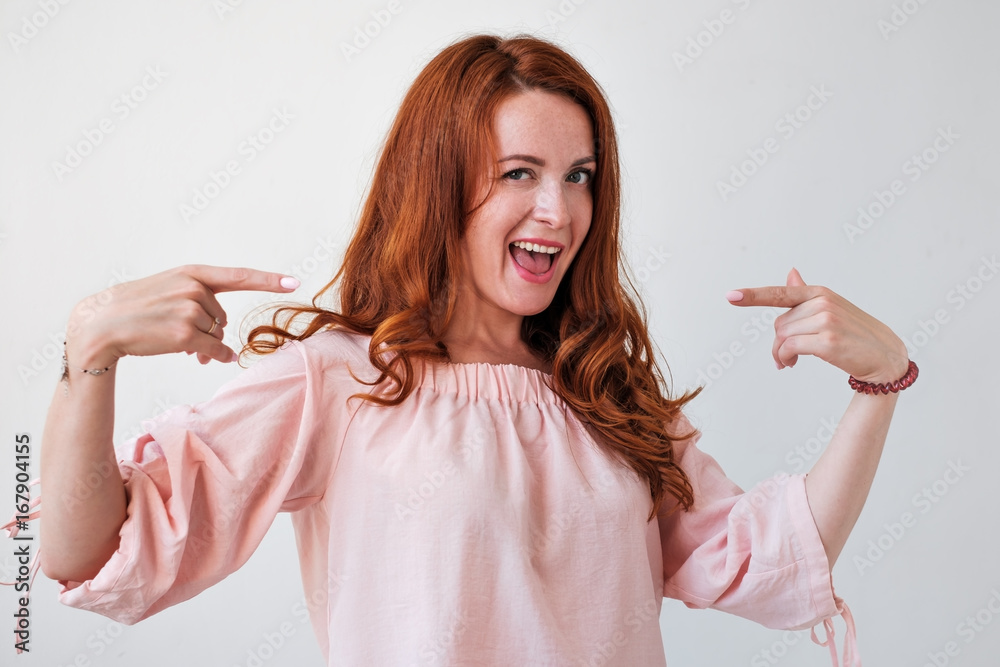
(289, 283)
(778, 364)
(734, 296)
(236, 357)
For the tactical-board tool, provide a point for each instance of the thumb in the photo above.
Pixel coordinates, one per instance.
(794, 278)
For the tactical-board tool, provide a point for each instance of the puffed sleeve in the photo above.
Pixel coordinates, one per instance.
(756, 554)
(205, 483)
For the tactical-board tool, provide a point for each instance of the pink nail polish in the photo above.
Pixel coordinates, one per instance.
(236, 357)
(734, 296)
(778, 364)
(290, 283)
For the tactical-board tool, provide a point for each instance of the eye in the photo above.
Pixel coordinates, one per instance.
(581, 176)
(516, 174)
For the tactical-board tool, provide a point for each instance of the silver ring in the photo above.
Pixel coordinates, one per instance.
(214, 324)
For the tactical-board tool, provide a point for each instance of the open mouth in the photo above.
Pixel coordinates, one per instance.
(532, 257)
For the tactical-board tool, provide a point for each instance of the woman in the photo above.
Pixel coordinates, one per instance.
(476, 443)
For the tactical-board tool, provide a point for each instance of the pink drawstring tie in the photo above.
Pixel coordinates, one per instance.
(851, 657)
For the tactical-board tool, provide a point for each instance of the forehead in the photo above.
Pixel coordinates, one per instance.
(537, 120)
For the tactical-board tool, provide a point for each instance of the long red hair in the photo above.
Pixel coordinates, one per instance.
(397, 282)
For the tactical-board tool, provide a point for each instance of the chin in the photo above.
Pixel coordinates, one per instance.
(529, 306)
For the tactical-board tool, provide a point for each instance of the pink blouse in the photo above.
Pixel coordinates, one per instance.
(479, 520)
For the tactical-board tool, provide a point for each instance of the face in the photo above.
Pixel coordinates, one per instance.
(519, 244)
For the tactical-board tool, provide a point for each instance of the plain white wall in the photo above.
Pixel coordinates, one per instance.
(885, 79)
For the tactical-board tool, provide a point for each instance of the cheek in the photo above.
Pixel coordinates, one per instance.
(582, 219)
(496, 221)
(481, 248)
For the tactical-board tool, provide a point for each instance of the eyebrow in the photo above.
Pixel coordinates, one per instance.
(541, 163)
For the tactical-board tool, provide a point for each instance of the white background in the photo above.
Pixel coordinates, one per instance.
(684, 126)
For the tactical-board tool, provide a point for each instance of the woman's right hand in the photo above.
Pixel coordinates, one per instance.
(172, 311)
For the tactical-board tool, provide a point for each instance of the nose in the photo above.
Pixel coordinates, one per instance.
(551, 205)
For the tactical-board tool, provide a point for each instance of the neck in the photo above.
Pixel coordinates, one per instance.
(480, 333)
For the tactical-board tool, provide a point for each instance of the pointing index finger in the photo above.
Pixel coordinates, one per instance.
(780, 296)
(233, 279)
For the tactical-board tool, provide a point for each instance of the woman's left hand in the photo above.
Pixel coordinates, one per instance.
(824, 324)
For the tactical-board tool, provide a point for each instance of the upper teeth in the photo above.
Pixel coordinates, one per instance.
(534, 247)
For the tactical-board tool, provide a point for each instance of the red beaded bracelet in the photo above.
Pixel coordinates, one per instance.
(885, 387)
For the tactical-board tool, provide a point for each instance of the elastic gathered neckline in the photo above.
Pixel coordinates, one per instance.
(482, 380)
